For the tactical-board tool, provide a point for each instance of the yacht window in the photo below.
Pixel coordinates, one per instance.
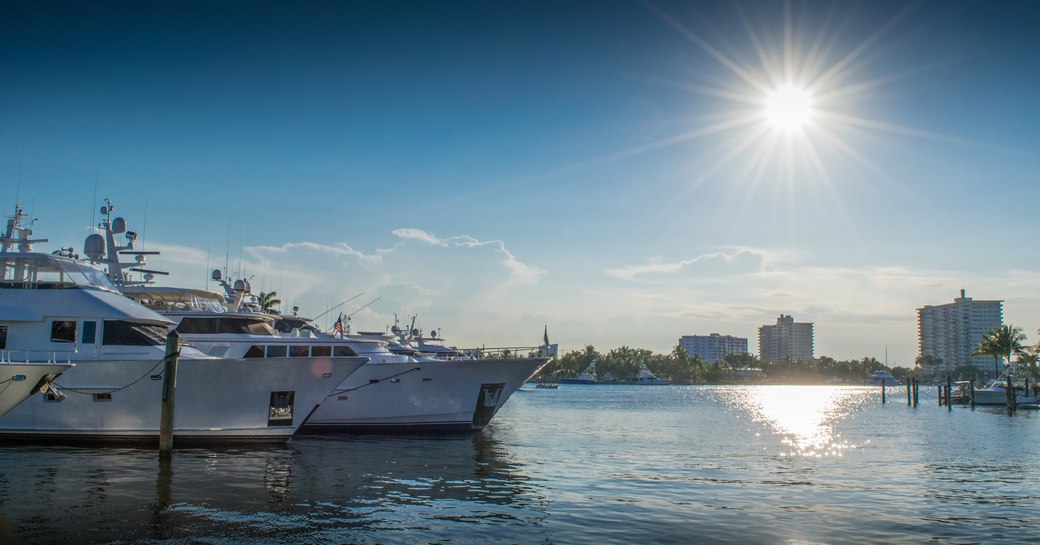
(297, 351)
(244, 325)
(189, 326)
(103, 397)
(89, 332)
(120, 333)
(63, 331)
(277, 351)
(343, 352)
(321, 351)
(3, 337)
(254, 352)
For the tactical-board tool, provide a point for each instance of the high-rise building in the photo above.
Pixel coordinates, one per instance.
(786, 339)
(952, 332)
(712, 348)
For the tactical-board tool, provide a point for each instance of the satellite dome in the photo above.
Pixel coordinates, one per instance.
(118, 225)
(94, 247)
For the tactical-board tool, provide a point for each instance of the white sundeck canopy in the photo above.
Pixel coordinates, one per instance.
(167, 299)
(48, 271)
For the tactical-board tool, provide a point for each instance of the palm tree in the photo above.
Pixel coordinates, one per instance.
(1001, 343)
(269, 301)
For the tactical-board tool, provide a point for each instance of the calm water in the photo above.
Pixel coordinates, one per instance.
(620, 464)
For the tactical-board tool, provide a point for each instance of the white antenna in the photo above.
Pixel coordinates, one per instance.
(227, 250)
(93, 206)
(18, 192)
(144, 226)
(207, 267)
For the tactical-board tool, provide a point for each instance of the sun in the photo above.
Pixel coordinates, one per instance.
(788, 108)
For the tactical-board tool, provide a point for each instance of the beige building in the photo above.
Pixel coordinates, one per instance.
(786, 339)
(712, 348)
(953, 331)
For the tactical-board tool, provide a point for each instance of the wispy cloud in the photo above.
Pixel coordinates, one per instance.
(726, 261)
(338, 249)
(519, 272)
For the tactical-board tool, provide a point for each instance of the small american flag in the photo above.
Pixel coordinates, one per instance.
(338, 328)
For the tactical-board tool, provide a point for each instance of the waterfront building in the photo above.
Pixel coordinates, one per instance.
(786, 339)
(712, 348)
(953, 331)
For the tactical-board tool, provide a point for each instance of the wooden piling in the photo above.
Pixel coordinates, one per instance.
(169, 392)
(917, 392)
(1012, 400)
(949, 393)
(971, 392)
(909, 386)
(940, 395)
(882, 391)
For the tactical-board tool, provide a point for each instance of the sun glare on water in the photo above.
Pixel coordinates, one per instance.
(789, 108)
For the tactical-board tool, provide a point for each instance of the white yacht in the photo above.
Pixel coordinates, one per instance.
(647, 378)
(55, 304)
(996, 393)
(20, 377)
(876, 378)
(588, 376)
(408, 389)
(392, 392)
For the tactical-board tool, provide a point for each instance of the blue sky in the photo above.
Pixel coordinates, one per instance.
(600, 167)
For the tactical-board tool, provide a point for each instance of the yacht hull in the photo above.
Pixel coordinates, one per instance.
(423, 396)
(217, 400)
(18, 381)
(999, 397)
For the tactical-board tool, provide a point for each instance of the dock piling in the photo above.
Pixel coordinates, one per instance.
(882, 391)
(169, 392)
(949, 393)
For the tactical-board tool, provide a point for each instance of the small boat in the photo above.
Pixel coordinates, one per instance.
(997, 393)
(877, 378)
(588, 376)
(646, 378)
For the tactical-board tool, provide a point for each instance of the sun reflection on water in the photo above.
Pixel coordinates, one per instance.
(804, 416)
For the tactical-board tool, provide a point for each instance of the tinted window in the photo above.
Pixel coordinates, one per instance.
(277, 351)
(89, 332)
(297, 351)
(343, 352)
(3, 337)
(63, 331)
(189, 326)
(244, 325)
(286, 325)
(255, 352)
(318, 351)
(120, 333)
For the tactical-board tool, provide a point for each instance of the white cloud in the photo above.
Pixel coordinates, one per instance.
(736, 260)
(519, 272)
(339, 249)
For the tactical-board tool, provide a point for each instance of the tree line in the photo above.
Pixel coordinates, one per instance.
(622, 365)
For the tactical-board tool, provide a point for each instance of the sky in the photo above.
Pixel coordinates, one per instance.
(609, 170)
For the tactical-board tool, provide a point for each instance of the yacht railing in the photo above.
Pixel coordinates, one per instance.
(504, 352)
(30, 356)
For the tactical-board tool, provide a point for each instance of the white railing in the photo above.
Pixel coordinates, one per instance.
(35, 356)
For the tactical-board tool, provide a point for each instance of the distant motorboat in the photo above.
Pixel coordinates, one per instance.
(877, 378)
(647, 378)
(588, 376)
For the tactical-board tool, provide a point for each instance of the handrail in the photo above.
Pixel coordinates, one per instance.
(51, 356)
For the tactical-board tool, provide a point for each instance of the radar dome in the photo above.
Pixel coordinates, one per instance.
(94, 247)
(118, 225)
